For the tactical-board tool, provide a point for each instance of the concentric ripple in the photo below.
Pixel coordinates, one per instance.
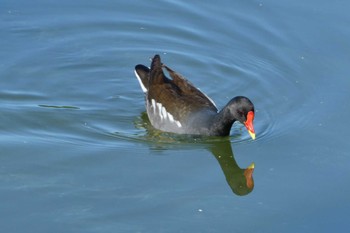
(86, 78)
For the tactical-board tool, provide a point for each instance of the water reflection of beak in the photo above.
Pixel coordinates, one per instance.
(248, 173)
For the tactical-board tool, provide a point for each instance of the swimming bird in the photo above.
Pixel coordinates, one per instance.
(176, 105)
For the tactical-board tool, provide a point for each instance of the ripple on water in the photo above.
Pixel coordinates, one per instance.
(239, 55)
(249, 64)
(244, 65)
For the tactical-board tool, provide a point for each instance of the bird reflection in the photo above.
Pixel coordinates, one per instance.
(239, 179)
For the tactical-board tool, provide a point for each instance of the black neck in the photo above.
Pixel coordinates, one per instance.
(222, 122)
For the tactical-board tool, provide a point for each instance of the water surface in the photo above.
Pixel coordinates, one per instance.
(78, 152)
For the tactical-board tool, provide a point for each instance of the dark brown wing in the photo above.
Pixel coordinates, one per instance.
(189, 89)
(178, 96)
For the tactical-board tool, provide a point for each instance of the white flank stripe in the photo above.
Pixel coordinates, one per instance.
(171, 118)
(154, 106)
(159, 106)
(140, 81)
(178, 124)
(163, 114)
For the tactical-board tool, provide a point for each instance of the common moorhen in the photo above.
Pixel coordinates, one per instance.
(175, 105)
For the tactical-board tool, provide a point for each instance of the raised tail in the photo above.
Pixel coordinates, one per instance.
(156, 74)
(147, 76)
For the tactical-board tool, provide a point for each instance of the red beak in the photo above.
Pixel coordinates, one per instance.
(249, 124)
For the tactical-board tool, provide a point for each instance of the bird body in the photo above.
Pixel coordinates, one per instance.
(176, 105)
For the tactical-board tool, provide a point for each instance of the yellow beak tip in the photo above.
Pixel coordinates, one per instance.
(252, 135)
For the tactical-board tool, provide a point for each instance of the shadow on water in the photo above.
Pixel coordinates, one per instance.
(239, 179)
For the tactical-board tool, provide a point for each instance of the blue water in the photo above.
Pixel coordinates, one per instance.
(78, 153)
